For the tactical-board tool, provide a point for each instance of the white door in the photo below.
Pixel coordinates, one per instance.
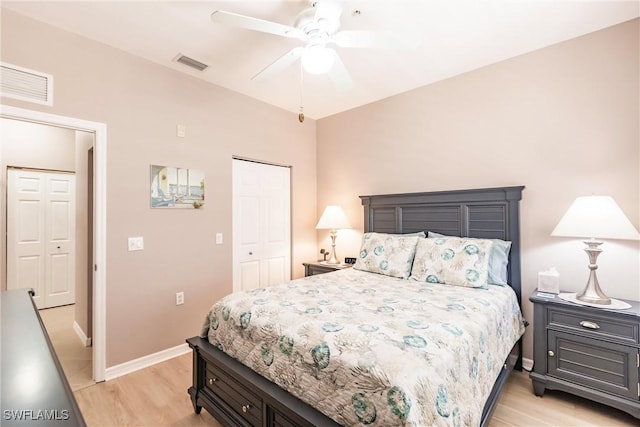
(41, 235)
(261, 224)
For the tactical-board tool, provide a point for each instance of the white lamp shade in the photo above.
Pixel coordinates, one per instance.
(596, 217)
(333, 218)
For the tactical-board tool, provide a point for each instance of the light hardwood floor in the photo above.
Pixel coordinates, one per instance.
(75, 358)
(154, 396)
(157, 396)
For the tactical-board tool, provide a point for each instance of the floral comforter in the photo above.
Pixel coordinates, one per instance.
(368, 349)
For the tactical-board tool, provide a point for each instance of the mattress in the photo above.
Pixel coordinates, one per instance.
(368, 349)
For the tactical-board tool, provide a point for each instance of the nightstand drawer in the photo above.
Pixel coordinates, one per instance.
(595, 325)
(593, 363)
(313, 268)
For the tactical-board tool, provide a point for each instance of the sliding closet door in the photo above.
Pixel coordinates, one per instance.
(261, 224)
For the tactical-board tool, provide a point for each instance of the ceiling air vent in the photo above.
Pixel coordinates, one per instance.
(190, 62)
(25, 85)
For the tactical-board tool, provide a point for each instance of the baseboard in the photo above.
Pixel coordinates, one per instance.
(527, 364)
(80, 333)
(145, 361)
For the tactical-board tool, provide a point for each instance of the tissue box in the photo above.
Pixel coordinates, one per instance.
(549, 281)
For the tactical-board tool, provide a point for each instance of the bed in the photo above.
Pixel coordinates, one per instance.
(392, 374)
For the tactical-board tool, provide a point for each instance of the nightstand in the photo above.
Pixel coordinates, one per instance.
(590, 352)
(313, 268)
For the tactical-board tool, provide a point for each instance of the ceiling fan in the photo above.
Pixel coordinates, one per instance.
(318, 28)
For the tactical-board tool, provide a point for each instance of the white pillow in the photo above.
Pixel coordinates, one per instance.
(452, 260)
(388, 254)
(498, 260)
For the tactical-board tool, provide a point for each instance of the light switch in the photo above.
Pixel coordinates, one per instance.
(135, 243)
(218, 238)
(181, 131)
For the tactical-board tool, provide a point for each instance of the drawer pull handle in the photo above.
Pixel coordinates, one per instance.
(212, 380)
(551, 353)
(589, 325)
(245, 408)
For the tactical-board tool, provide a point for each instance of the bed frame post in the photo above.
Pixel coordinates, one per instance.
(198, 378)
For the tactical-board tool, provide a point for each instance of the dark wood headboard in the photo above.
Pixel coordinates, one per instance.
(488, 213)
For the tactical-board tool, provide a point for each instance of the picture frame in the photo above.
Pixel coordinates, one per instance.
(176, 188)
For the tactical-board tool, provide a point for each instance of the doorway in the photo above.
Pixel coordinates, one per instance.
(98, 338)
(261, 224)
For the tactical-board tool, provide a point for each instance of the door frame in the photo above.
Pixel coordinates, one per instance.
(100, 218)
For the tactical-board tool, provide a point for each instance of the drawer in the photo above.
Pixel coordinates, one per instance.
(603, 366)
(242, 401)
(318, 269)
(279, 420)
(595, 325)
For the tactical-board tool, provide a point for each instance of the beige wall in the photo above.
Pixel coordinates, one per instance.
(141, 104)
(37, 146)
(563, 121)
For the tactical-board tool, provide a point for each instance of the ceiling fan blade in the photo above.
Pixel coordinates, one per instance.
(339, 74)
(255, 24)
(377, 39)
(329, 10)
(279, 64)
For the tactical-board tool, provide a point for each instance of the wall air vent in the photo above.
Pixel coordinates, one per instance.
(25, 85)
(190, 62)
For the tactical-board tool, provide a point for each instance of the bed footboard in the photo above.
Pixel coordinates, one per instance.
(237, 396)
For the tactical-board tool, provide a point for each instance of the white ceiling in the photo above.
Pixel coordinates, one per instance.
(456, 36)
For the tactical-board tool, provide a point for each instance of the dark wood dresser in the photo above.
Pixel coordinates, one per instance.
(587, 351)
(34, 388)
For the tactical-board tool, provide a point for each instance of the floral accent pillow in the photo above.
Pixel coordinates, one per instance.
(498, 259)
(388, 254)
(452, 260)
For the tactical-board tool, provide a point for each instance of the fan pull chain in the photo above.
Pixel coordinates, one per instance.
(301, 113)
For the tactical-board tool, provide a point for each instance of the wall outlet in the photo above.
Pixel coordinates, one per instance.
(348, 260)
(179, 298)
(218, 238)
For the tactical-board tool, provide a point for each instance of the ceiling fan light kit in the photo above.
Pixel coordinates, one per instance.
(317, 27)
(317, 59)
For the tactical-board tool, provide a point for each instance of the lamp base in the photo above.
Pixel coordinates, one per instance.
(601, 300)
(592, 292)
(332, 257)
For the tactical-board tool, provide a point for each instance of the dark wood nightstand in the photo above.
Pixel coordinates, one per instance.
(587, 351)
(313, 268)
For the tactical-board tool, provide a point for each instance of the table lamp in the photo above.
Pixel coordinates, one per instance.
(333, 218)
(595, 217)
